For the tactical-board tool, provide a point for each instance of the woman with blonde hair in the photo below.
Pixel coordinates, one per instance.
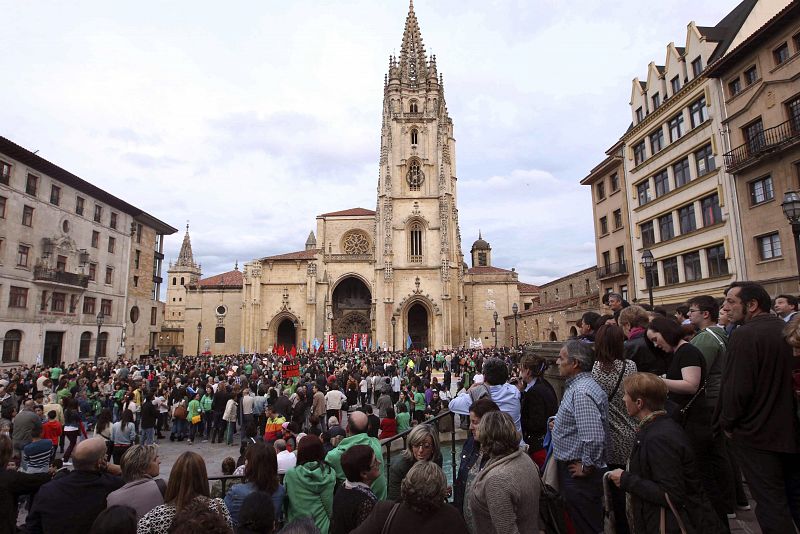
(142, 490)
(188, 484)
(505, 493)
(422, 506)
(422, 444)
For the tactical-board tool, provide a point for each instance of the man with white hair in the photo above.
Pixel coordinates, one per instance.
(286, 459)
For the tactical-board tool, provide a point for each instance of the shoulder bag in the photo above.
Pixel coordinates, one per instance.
(388, 524)
(619, 381)
(662, 529)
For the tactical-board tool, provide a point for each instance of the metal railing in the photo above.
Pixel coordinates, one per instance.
(47, 274)
(612, 269)
(388, 442)
(763, 143)
(225, 479)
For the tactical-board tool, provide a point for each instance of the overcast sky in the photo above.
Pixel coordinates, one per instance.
(250, 118)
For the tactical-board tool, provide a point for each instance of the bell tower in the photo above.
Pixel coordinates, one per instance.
(419, 272)
(180, 274)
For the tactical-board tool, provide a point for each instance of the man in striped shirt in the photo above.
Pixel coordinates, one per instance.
(36, 454)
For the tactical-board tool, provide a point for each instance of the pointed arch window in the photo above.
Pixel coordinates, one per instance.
(414, 136)
(415, 243)
(415, 177)
(412, 107)
(85, 345)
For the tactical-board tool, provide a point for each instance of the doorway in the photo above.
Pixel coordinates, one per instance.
(418, 326)
(52, 348)
(287, 334)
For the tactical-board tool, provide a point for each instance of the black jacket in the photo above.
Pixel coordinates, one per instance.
(647, 357)
(149, 414)
(12, 485)
(662, 461)
(469, 455)
(538, 403)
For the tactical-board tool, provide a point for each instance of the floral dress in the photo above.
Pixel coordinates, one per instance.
(621, 426)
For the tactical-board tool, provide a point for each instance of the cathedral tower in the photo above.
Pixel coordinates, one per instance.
(419, 264)
(180, 274)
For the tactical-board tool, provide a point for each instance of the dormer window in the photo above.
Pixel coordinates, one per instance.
(676, 84)
(414, 136)
(639, 115)
(697, 66)
(412, 107)
(656, 101)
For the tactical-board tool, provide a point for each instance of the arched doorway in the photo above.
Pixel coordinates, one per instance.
(573, 332)
(418, 327)
(553, 336)
(352, 308)
(287, 334)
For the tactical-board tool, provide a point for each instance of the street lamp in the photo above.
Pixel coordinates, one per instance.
(791, 208)
(515, 309)
(495, 328)
(647, 263)
(394, 323)
(199, 329)
(100, 318)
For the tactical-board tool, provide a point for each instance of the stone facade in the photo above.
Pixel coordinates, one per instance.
(65, 256)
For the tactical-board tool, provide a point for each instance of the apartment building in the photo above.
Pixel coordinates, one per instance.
(758, 81)
(66, 250)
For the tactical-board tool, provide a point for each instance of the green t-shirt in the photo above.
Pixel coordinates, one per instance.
(55, 372)
(193, 408)
(248, 369)
(419, 401)
(403, 419)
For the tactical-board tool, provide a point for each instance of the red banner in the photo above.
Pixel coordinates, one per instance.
(290, 370)
(354, 341)
(364, 341)
(331, 343)
(349, 345)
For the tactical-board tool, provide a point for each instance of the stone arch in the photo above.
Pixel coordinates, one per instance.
(553, 336)
(275, 326)
(351, 305)
(417, 318)
(573, 332)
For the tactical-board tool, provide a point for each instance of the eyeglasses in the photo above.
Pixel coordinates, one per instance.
(693, 310)
(423, 446)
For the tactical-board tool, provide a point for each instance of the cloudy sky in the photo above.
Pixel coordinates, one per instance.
(251, 118)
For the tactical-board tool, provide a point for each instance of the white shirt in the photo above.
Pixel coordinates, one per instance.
(334, 399)
(286, 460)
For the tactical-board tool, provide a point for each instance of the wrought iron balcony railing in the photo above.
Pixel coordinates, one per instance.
(763, 143)
(612, 269)
(46, 274)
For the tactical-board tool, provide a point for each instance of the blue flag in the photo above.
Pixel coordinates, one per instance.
(408, 342)
(304, 345)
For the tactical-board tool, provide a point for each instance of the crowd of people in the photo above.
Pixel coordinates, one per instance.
(662, 417)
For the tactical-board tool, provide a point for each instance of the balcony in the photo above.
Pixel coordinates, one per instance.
(612, 269)
(763, 143)
(45, 274)
(333, 258)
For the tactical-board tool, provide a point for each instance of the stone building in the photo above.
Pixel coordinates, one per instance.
(758, 81)
(70, 254)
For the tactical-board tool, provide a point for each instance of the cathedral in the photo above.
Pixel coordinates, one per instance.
(389, 278)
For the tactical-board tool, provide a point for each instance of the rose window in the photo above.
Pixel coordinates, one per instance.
(356, 243)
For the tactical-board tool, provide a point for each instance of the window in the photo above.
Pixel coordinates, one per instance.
(761, 190)
(735, 86)
(32, 184)
(704, 159)
(23, 252)
(95, 238)
(5, 172)
(415, 243)
(603, 225)
(691, 266)
(657, 141)
(687, 220)
(781, 53)
(3, 207)
(751, 75)
(711, 211)
(675, 84)
(92, 272)
(79, 205)
(606, 259)
(670, 271)
(84, 347)
(43, 301)
(135, 281)
(415, 176)
(617, 219)
(27, 216)
(58, 302)
(717, 264)
(623, 290)
(109, 275)
(656, 99)
(653, 276)
(675, 127)
(601, 191)
(412, 107)
(89, 305)
(615, 178)
(414, 136)
(61, 263)
(73, 303)
(11, 346)
(102, 345)
(681, 172)
(182, 281)
(793, 107)
(643, 192)
(105, 307)
(153, 316)
(769, 246)
(98, 213)
(796, 40)
(113, 222)
(139, 235)
(754, 136)
(697, 66)
(662, 183)
(55, 195)
(18, 297)
(639, 114)
(482, 259)
(219, 334)
(137, 256)
(648, 234)
(666, 227)
(112, 244)
(639, 153)
(698, 113)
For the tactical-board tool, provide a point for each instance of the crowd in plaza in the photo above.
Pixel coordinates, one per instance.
(663, 422)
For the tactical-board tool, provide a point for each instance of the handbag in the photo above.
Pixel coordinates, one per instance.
(609, 518)
(683, 413)
(662, 528)
(387, 525)
(551, 505)
(196, 419)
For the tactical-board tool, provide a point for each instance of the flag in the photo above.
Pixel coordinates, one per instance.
(364, 340)
(408, 342)
(305, 347)
(293, 352)
(281, 351)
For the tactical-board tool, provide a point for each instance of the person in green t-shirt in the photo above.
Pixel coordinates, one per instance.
(419, 404)
(55, 373)
(403, 418)
(195, 418)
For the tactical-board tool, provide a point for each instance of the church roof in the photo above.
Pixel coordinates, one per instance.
(232, 279)
(527, 288)
(352, 212)
(299, 255)
(487, 270)
(185, 256)
(480, 243)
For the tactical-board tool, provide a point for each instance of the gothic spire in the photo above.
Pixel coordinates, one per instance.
(412, 51)
(185, 257)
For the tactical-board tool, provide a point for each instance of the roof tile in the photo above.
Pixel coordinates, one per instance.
(352, 212)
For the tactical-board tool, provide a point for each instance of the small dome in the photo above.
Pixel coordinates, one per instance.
(480, 244)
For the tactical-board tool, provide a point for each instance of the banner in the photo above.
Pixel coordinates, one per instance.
(354, 341)
(364, 341)
(290, 370)
(331, 343)
(349, 346)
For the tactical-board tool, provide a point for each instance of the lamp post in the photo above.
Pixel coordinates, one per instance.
(515, 309)
(647, 263)
(495, 328)
(394, 323)
(199, 329)
(100, 318)
(791, 208)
